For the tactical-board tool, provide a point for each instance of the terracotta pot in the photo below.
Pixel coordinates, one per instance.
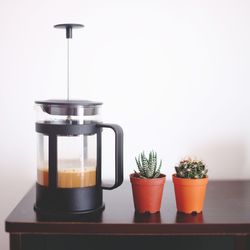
(147, 193)
(189, 194)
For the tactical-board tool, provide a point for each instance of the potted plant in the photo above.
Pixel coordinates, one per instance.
(147, 183)
(190, 183)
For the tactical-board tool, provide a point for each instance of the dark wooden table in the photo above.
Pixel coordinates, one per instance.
(224, 223)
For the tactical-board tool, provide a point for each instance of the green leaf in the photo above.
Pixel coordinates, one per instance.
(148, 166)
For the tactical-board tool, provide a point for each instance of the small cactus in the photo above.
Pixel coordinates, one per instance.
(148, 166)
(191, 169)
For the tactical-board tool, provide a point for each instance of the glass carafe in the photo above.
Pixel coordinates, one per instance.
(76, 154)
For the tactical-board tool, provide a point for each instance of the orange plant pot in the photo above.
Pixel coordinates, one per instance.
(189, 194)
(147, 193)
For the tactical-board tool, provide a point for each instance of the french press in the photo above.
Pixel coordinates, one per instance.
(69, 157)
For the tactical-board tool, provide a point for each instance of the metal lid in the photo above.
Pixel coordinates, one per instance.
(70, 107)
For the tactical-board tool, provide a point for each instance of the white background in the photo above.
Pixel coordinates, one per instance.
(174, 74)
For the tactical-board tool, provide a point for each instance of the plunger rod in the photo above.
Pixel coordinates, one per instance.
(69, 27)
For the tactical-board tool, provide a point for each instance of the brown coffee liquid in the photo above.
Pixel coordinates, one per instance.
(69, 178)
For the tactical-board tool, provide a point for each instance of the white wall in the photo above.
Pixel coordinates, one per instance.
(173, 74)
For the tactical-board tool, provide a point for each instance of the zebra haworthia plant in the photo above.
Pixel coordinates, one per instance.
(191, 169)
(147, 167)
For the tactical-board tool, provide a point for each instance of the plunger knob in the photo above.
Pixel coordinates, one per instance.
(69, 27)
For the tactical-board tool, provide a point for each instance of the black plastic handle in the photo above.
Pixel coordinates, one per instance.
(118, 154)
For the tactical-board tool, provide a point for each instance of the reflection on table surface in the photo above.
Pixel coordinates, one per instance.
(189, 218)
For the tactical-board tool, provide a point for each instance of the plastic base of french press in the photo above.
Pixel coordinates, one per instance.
(68, 204)
(90, 215)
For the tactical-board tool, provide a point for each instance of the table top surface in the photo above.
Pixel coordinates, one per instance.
(226, 212)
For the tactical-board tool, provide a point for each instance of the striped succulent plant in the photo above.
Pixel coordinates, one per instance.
(191, 169)
(148, 166)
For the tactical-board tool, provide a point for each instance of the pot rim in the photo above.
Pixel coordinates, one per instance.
(133, 175)
(150, 181)
(189, 182)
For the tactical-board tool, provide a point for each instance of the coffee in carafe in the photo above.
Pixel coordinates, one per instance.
(69, 178)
